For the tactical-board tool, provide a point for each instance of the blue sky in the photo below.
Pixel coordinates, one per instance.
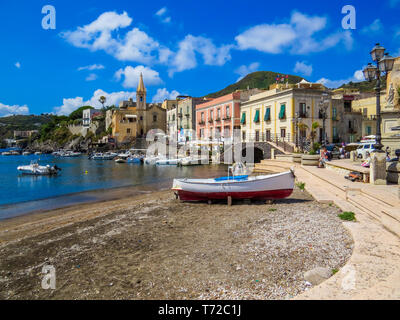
(186, 47)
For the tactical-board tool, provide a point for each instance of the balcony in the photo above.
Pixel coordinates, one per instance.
(351, 131)
(187, 115)
(303, 114)
(179, 115)
(226, 118)
(218, 119)
(202, 122)
(210, 120)
(369, 118)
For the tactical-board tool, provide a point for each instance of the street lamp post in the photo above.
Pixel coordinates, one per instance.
(384, 64)
(323, 111)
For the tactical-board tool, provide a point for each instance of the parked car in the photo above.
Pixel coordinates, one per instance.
(364, 148)
(333, 151)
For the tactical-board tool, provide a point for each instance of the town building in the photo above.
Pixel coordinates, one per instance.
(216, 119)
(286, 113)
(24, 134)
(181, 118)
(135, 119)
(88, 114)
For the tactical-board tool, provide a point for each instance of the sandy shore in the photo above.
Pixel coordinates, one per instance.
(151, 246)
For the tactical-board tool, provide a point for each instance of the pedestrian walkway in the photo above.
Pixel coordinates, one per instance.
(373, 271)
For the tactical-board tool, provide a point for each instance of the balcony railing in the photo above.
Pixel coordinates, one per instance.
(303, 114)
(210, 120)
(218, 119)
(369, 118)
(226, 118)
(180, 115)
(201, 122)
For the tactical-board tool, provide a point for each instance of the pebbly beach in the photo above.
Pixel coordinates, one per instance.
(152, 246)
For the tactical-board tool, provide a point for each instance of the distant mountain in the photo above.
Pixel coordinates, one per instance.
(364, 86)
(259, 80)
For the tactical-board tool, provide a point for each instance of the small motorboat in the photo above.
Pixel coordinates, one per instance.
(194, 161)
(35, 169)
(6, 153)
(167, 162)
(263, 187)
(26, 153)
(69, 154)
(120, 160)
(104, 156)
(38, 153)
(136, 160)
(151, 159)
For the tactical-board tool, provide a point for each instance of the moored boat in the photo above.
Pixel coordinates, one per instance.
(263, 187)
(35, 169)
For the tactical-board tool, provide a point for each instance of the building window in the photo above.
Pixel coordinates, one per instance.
(257, 116)
(334, 113)
(268, 134)
(218, 113)
(154, 118)
(302, 110)
(141, 118)
(369, 130)
(173, 117)
(202, 117)
(211, 114)
(128, 131)
(283, 133)
(226, 132)
(141, 99)
(243, 119)
(244, 136)
(257, 135)
(282, 112)
(267, 116)
(227, 112)
(347, 106)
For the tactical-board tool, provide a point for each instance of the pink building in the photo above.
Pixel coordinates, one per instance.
(220, 116)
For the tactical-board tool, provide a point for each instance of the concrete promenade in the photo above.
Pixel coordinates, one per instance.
(373, 271)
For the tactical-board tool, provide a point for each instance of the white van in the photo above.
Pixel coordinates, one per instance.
(365, 146)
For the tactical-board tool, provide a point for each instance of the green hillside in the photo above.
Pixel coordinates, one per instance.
(259, 80)
(364, 86)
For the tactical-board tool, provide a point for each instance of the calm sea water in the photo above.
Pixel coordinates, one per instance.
(83, 180)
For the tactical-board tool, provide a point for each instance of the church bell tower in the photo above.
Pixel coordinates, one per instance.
(141, 95)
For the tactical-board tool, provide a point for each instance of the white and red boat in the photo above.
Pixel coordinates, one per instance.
(263, 187)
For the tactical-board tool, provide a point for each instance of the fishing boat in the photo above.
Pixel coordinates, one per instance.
(69, 154)
(6, 153)
(263, 187)
(35, 169)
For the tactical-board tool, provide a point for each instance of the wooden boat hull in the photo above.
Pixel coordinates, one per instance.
(271, 187)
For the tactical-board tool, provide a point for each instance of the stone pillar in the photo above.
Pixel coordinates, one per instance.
(353, 156)
(272, 153)
(378, 168)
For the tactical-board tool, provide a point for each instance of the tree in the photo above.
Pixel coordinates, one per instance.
(313, 133)
(102, 100)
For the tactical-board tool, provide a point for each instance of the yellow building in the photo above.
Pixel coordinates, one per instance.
(271, 115)
(135, 119)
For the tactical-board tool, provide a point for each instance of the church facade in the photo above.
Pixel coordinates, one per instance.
(135, 119)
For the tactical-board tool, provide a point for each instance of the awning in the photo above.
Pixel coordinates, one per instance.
(267, 116)
(243, 120)
(257, 116)
(282, 112)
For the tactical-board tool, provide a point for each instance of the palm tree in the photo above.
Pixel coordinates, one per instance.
(313, 133)
(102, 100)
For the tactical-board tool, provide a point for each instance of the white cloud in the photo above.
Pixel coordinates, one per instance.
(136, 45)
(105, 33)
(132, 76)
(244, 70)
(303, 68)
(71, 104)
(92, 67)
(163, 94)
(18, 65)
(161, 14)
(185, 58)
(299, 36)
(91, 77)
(162, 11)
(6, 110)
(357, 77)
(374, 28)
